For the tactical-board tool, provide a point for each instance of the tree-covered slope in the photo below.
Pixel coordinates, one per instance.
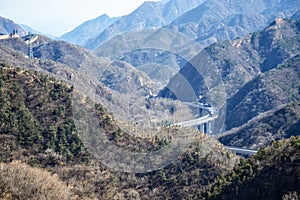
(37, 128)
(274, 173)
(36, 112)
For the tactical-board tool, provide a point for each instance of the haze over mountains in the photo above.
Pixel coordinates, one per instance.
(88, 30)
(174, 61)
(149, 14)
(206, 21)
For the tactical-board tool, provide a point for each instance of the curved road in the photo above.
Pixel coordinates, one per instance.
(210, 117)
(198, 121)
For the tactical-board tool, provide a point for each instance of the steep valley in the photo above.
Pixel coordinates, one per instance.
(151, 105)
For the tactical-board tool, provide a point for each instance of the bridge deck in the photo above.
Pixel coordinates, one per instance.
(195, 122)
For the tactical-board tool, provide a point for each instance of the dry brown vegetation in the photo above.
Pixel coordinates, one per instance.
(20, 181)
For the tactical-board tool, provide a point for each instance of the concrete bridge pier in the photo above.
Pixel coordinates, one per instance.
(208, 128)
(201, 128)
(205, 128)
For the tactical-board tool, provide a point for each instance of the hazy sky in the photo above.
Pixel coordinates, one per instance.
(60, 16)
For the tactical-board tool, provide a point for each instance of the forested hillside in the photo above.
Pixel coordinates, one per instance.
(274, 173)
(37, 128)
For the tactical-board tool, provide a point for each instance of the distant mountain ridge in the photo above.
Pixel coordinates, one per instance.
(217, 20)
(209, 22)
(149, 14)
(7, 26)
(88, 30)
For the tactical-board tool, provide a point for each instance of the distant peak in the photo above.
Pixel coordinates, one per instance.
(104, 16)
(149, 3)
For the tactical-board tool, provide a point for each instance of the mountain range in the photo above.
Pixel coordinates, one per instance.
(149, 14)
(204, 22)
(252, 82)
(239, 76)
(217, 20)
(249, 69)
(243, 58)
